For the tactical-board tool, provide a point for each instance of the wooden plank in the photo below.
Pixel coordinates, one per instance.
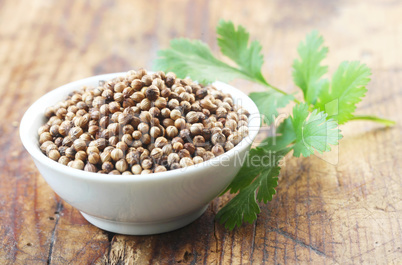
(344, 207)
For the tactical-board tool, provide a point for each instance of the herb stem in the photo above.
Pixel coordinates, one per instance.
(263, 82)
(374, 119)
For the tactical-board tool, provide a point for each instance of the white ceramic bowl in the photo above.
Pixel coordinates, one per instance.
(137, 204)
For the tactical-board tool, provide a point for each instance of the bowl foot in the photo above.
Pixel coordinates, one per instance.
(132, 228)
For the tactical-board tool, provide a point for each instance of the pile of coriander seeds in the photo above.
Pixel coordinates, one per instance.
(142, 123)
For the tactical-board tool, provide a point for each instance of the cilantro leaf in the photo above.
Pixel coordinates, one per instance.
(234, 44)
(248, 171)
(348, 87)
(313, 132)
(268, 181)
(304, 132)
(244, 205)
(308, 71)
(262, 155)
(193, 58)
(268, 102)
(284, 136)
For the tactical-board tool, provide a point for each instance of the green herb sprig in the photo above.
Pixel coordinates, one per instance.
(313, 125)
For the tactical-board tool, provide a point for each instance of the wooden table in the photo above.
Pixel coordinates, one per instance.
(345, 211)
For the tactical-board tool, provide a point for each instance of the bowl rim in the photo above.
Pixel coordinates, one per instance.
(40, 104)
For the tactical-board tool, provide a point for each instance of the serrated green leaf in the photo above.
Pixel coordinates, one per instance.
(268, 102)
(348, 87)
(193, 58)
(234, 43)
(284, 136)
(268, 183)
(313, 131)
(244, 205)
(308, 71)
(247, 172)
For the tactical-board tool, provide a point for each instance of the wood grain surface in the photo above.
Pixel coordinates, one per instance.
(344, 208)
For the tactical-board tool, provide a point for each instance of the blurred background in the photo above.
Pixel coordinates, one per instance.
(45, 44)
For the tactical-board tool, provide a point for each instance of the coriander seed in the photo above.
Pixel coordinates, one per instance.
(54, 155)
(192, 117)
(180, 123)
(156, 153)
(46, 136)
(165, 112)
(235, 138)
(122, 146)
(218, 138)
(186, 161)
(70, 152)
(197, 159)
(152, 92)
(221, 112)
(81, 155)
(208, 155)
(189, 147)
(117, 154)
(177, 146)
(138, 96)
(105, 157)
(171, 131)
(161, 142)
(146, 164)
(243, 131)
(167, 149)
(107, 166)
(160, 169)
(166, 92)
(92, 149)
(43, 128)
(228, 146)
(143, 128)
(154, 132)
(94, 158)
(160, 103)
(146, 139)
(128, 129)
(64, 160)
(217, 150)
(175, 114)
(184, 153)
(199, 151)
(119, 87)
(146, 80)
(79, 145)
(175, 166)
(168, 122)
(90, 168)
(137, 135)
(121, 165)
(133, 158)
(226, 132)
(128, 91)
(78, 164)
(44, 146)
(75, 132)
(136, 84)
(196, 129)
(173, 104)
(136, 169)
